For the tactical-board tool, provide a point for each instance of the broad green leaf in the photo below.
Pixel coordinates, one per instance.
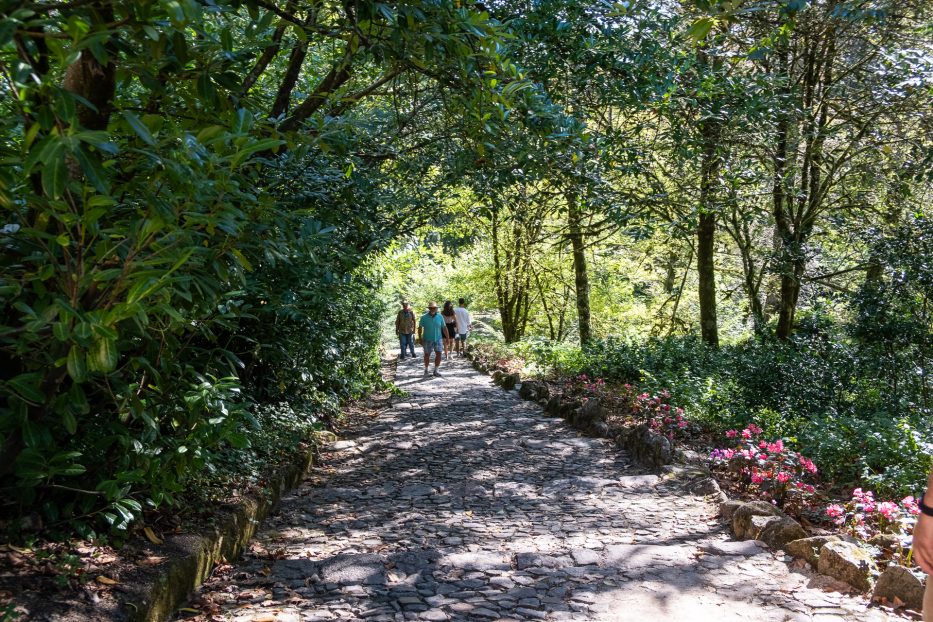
(55, 173)
(69, 421)
(701, 28)
(139, 127)
(76, 365)
(105, 355)
(27, 387)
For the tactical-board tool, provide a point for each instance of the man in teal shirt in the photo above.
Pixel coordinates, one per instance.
(431, 332)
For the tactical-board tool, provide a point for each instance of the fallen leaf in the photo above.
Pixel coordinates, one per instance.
(105, 580)
(150, 534)
(898, 603)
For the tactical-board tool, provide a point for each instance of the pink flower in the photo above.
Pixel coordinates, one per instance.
(754, 429)
(835, 510)
(746, 433)
(679, 411)
(807, 464)
(757, 478)
(729, 453)
(762, 444)
(731, 433)
(776, 447)
(682, 424)
(837, 513)
(910, 504)
(783, 477)
(889, 510)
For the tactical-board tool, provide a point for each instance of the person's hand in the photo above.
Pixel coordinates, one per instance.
(923, 543)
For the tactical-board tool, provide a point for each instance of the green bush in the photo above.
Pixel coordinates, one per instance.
(827, 395)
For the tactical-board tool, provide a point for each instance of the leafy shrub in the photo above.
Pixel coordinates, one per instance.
(864, 517)
(830, 396)
(767, 468)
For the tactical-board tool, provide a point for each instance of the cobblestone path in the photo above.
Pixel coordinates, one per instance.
(462, 502)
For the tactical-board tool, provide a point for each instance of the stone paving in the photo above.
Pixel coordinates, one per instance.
(462, 502)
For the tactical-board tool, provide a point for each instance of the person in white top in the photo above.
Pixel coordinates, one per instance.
(464, 325)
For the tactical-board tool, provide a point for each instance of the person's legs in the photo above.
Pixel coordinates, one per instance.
(928, 601)
(437, 360)
(411, 345)
(428, 348)
(404, 340)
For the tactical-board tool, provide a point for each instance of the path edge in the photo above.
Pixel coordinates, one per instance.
(157, 599)
(160, 598)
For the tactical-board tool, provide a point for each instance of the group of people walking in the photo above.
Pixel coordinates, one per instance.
(443, 333)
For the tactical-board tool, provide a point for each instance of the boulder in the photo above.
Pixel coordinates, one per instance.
(728, 508)
(601, 428)
(529, 390)
(781, 531)
(497, 376)
(510, 380)
(647, 447)
(847, 562)
(897, 583)
(809, 548)
(553, 406)
(744, 523)
(589, 413)
(887, 541)
(704, 486)
(567, 407)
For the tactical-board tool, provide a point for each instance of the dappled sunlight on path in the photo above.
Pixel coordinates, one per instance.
(463, 502)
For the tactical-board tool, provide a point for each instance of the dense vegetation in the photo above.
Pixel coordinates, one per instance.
(743, 222)
(191, 192)
(207, 205)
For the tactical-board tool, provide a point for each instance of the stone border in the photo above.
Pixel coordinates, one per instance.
(839, 557)
(157, 599)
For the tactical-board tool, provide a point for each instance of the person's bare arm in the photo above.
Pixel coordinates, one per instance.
(923, 534)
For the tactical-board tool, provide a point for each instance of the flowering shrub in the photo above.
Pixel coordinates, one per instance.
(588, 388)
(767, 468)
(863, 516)
(656, 411)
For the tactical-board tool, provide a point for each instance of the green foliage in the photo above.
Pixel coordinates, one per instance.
(830, 397)
(187, 226)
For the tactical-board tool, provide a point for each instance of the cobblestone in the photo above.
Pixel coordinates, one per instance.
(463, 502)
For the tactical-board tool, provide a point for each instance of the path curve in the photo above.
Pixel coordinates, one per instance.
(462, 502)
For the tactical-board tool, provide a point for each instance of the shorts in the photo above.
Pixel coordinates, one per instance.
(462, 336)
(433, 346)
(451, 330)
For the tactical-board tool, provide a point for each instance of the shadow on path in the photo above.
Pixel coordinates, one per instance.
(464, 502)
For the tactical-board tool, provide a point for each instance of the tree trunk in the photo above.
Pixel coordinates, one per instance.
(706, 272)
(581, 277)
(706, 235)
